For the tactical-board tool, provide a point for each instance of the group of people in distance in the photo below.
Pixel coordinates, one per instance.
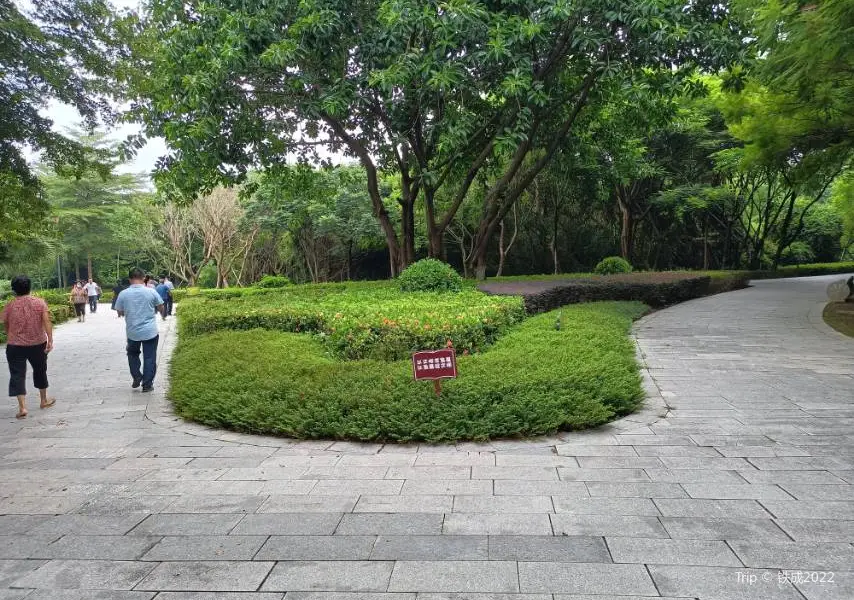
(26, 319)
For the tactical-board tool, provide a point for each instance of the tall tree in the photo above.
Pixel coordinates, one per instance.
(53, 50)
(434, 90)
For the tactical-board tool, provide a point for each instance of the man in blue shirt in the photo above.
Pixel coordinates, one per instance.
(139, 305)
(163, 291)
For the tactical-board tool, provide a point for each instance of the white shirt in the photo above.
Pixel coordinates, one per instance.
(92, 288)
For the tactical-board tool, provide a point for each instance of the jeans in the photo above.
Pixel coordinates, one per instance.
(93, 303)
(149, 360)
(17, 356)
(168, 305)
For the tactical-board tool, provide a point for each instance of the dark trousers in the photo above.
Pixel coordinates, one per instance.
(168, 305)
(149, 359)
(93, 303)
(79, 310)
(18, 356)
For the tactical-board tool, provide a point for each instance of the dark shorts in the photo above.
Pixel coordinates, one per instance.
(79, 309)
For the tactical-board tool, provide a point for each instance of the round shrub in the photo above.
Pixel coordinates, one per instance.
(273, 281)
(430, 275)
(612, 265)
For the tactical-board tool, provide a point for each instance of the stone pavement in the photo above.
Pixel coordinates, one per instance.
(736, 482)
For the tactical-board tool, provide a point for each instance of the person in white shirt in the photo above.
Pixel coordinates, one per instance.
(94, 291)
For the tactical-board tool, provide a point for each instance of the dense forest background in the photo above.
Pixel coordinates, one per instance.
(707, 140)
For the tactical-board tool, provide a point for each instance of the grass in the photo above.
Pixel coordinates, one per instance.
(534, 380)
(840, 316)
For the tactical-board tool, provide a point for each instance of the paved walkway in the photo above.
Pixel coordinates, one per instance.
(750, 472)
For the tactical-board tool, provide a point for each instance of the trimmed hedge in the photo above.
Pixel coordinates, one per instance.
(273, 281)
(430, 275)
(534, 381)
(612, 265)
(810, 270)
(357, 322)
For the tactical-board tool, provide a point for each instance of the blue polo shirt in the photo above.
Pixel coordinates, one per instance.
(139, 304)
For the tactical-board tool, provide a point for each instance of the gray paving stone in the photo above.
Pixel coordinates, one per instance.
(341, 576)
(23, 546)
(11, 570)
(431, 547)
(602, 474)
(85, 595)
(810, 509)
(16, 524)
(308, 503)
(537, 460)
(349, 472)
(506, 487)
(482, 596)
(185, 524)
(830, 493)
(87, 525)
(802, 477)
(561, 548)
(317, 547)
(40, 505)
(456, 576)
(818, 530)
(348, 596)
(93, 547)
(220, 596)
(720, 583)
(503, 504)
(342, 487)
(390, 524)
(86, 574)
(205, 547)
(671, 552)
(585, 578)
(607, 525)
(288, 524)
(122, 505)
(753, 491)
(694, 476)
(734, 509)
(594, 450)
(716, 528)
(515, 473)
(203, 576)
(825, 586)
(676, 451)
(445, 487)
(622, 462)
(643, 507)
(795, 555)
(636, 490)
(434, 472)
(216, 504)
(497, 524)
(408, 503)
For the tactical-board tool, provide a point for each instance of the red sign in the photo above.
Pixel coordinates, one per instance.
(435, 364)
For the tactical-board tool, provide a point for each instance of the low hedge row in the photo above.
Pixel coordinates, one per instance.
(360, 322)
(810, 270)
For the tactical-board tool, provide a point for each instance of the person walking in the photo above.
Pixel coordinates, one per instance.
(78, 299)
(139, 305)
(93, 292)
(29, 339)
(171, 301)
(163, 291)
(117, 289)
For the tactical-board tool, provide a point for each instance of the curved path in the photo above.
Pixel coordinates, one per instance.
(736, 482)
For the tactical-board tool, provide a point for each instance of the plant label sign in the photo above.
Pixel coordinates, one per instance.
(435, 365)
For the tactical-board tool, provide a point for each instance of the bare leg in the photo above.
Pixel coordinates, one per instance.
(45, 401)
(22, 407)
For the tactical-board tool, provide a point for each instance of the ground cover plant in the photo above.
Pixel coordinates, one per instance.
(536, 379)
(840, 316)
(358, 321)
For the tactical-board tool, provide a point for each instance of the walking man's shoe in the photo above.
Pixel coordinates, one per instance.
(136, 382)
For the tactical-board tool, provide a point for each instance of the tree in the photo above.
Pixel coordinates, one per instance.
(218, 217)
(53, 51)
(436, 91)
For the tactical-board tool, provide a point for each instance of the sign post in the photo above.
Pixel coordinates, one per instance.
(435, 365)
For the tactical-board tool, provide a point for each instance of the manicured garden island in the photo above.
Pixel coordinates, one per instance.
(333, 360)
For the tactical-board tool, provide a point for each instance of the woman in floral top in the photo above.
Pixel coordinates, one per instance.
(30, 338)
(79, 296)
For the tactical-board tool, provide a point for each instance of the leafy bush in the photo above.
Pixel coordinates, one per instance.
(535, 380)
(5, 289)
(207, 276)
(59, 313)
(430, 275)
(357, 322)
(273, 281)
(838, 268)
(612, 265)
(798, 253)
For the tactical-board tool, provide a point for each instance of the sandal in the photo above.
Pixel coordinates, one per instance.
(50, 403)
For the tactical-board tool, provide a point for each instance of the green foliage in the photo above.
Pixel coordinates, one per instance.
(273, 281)
(612, 265)
(362, 321)
(430, 275)
(59, 313)
(798, 253)
(207, 276)
(534, 381)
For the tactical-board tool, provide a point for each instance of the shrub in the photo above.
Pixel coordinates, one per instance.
(357, 322)
(534, 381)
(612, 265)
(207, 276)
(430, 275)
(273, 281)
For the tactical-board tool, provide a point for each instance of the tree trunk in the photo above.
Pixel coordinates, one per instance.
(407, 216)
(76, 271)
(626, 229)
(89, 265)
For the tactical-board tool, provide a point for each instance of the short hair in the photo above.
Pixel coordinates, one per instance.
(21, 285)
(136, 273)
